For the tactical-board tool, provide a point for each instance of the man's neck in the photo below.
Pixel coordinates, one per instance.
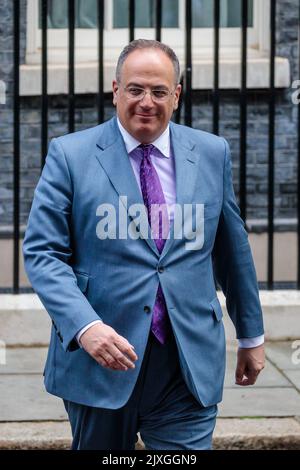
(162, 142)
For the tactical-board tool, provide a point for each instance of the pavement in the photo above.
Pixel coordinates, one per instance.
(263, 416)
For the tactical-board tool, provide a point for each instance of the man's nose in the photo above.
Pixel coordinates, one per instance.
(147, 99)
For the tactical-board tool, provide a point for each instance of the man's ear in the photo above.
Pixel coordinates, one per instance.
(177, 95)
(115, 88)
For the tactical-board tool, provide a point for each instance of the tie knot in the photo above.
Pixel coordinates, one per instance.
(146, 149)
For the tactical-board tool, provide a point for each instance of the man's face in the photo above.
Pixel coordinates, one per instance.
(149, 69)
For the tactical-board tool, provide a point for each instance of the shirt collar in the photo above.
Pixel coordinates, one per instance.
(162, 143)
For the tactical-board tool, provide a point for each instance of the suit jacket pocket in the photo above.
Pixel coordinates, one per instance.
(217, 309)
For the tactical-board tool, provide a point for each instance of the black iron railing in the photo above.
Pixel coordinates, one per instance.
(186, 103)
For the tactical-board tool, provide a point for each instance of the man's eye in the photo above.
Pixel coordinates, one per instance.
(159, 93)
(135, 91)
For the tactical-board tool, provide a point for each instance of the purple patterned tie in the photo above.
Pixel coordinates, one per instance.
(155, 203)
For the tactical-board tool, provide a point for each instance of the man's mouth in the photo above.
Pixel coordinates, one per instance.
(145, 115)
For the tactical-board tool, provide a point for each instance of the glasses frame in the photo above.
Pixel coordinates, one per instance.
(154, 99)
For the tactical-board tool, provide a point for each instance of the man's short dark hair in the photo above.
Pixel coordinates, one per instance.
(148, 44)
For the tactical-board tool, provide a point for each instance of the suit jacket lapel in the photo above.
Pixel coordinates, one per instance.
(113, 157)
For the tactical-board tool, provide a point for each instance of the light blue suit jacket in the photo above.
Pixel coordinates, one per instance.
(80, 278)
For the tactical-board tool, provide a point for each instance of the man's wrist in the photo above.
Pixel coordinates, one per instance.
(245, 343)
(84, 329)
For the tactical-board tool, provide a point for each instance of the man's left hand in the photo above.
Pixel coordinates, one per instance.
(250, 361)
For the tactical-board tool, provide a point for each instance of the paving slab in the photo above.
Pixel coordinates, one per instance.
(294, 377)
(23, 398)
(281, 354)
(24, 361)
(260, 402)
(32, 360)
(25, 327)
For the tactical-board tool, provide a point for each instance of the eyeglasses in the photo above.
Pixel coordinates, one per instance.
(158, 95)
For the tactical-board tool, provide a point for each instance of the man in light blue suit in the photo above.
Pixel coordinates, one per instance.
(132, 223)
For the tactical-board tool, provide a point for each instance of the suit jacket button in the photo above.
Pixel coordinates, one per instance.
(161, 269)
(147, 309)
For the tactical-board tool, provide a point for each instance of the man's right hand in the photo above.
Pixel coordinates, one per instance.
(108, 348)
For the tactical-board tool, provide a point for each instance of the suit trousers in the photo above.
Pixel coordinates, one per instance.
(161, 408)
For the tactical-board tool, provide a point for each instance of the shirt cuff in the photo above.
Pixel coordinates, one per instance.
(83, 330)
(251, 342)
